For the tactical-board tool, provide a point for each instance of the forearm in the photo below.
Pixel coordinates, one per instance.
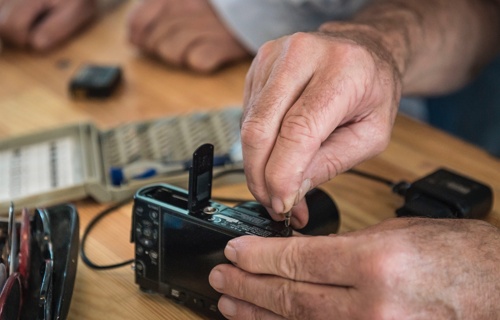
(437, 45)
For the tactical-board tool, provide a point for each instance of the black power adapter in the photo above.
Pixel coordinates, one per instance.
(95, 81)
(445, 194)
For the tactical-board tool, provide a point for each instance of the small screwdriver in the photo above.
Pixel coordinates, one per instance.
(288, 216)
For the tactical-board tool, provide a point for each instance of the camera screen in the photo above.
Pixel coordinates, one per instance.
(189, 254)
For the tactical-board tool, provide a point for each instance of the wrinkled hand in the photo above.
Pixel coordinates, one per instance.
(184, 33)
(43, 24)
(315, 105)
(400, 269)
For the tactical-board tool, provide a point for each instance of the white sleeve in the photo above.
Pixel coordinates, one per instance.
(253, 22)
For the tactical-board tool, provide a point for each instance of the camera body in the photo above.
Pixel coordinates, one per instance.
(180, 235)
(176, 249)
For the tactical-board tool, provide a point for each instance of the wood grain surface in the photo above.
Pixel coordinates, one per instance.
(34, 96)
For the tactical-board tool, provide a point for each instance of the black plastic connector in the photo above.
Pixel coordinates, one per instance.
(445, 194)
(94, 81)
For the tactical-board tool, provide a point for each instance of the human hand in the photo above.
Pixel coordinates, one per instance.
(315, 105)
(399, 269)
(184, 33)
(43, 24)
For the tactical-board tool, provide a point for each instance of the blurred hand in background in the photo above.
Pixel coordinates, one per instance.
(183, 33)
(43, 24)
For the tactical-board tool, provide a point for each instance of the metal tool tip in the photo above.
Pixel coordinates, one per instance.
(288, 216)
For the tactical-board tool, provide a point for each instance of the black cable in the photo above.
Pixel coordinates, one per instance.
(89, 227)
(399, 188)
(385, 181)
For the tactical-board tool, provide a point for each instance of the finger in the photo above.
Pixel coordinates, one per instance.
(176, 43)
(323, 105)
(18, 17)
(360, 141)
(201, 43)
(264, 114)
(143, 18)
(247, 86)
(263, 64)
(290, 299)
(258, 73)
(210, 54)
(255, 79)
(320, 259)
(158, 33)
(173, 39)
(254, 172)
(237, 309)
(300, 215)
(259, 69)
(61, 22)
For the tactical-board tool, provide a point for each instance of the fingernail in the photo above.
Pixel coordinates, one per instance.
(216, 279)
(304, 188)
(227, 307)
(230, 252)
(277, 205)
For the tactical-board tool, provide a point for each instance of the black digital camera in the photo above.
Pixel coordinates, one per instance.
(180, 236)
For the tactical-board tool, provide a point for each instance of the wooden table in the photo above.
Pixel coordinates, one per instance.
(33, 96)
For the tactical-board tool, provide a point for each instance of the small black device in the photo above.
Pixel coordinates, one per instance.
(95, 81)
(180, 235)
(446, 194)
